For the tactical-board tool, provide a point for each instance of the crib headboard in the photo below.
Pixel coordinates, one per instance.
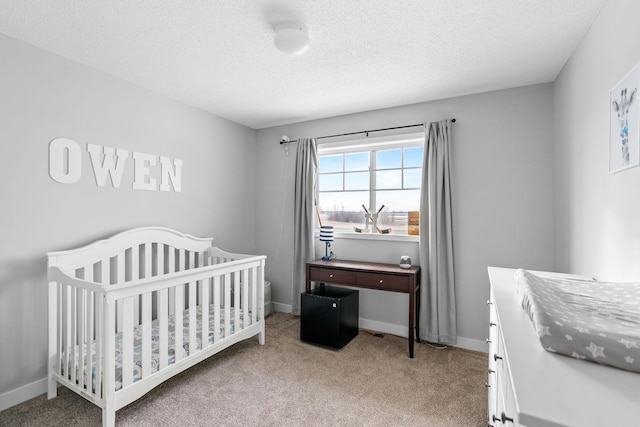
(132, 254)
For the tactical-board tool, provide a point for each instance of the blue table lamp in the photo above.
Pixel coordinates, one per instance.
(326, 236)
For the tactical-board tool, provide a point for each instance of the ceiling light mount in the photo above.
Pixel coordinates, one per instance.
(291, 38)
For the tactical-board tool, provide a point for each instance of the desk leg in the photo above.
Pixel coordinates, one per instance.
(412, 311)
(418, 313)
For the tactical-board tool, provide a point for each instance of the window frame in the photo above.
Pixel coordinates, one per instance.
(372, 145)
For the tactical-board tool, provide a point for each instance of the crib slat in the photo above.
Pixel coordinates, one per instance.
(127, 341)
(120, 278)
(216, 309)
(245, 297)
(193, 292)
(204, 303)
(66, 330)
(227, 305)
(147, 259)
(88, 339)
(178, 321)
(105, 271)
(182, 261)
(146, 334)
(99, 325)
(163, 325)
(171, 267)
(193, 321)
(254, 296)
(148, 264)
(236, 301)
(97, 381)
(80, 297)
(61, 329)
(74, 334)
(160, 259)
(135, 262)
(109, 350)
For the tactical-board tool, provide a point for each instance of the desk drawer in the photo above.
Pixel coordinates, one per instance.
(383, 281)
(331, 275)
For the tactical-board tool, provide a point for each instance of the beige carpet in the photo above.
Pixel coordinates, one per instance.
(370, 382)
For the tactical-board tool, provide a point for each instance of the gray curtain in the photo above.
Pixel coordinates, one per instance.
(303, 216)
(437, 294)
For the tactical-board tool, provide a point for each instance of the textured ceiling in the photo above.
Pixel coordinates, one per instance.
(365, 54)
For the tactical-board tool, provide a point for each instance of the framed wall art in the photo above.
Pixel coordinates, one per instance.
(624, 123)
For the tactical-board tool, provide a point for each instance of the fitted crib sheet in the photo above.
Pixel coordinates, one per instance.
(584, 319)
(155, 358)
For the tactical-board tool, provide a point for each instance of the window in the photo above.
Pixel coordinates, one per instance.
(371, 173)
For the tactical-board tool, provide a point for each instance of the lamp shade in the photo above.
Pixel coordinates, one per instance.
(326, 233)
(291, 38)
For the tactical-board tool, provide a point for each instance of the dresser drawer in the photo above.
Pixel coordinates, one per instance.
(331, 275)
(389, 282)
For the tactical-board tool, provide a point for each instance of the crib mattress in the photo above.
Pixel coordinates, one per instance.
(155, 362)
(584, 319)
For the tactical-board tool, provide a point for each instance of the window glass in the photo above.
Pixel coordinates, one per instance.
(343, 209)
(413, 157)
(330, 164)
(412, 178)
(396, 210)
(387, 179)
(330, 182)
(387, 159)
(356, 181)
(356, 161)
(370, 178)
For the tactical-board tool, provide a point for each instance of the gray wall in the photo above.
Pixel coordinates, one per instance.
(43, 97)
(597, 213)
(502, 198)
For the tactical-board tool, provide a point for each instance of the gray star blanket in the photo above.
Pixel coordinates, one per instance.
(585, 319)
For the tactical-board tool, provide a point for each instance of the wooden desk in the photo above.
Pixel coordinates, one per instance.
(370, 275)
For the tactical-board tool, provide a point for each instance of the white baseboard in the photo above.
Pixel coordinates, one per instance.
(401, 331)
(475, 345)
(393, 329)
(281, 308)
(387, 328)
(22, 394)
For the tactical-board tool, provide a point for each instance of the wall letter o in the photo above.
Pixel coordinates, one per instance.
(61, 149)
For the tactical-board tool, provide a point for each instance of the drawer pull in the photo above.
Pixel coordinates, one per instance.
(496, 357)
(488, 340)
(504, 418)
(487, 386)
(489, 302)
(331, 276)
(491, 324)
(491, 371)
(381, 281)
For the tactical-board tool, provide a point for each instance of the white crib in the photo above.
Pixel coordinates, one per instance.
(114, 306)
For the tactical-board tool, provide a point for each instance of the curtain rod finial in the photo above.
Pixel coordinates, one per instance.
(285, 139)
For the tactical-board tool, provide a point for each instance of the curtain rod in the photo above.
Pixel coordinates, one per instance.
(284, 141)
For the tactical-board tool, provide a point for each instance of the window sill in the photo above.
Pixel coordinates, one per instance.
(370, 236)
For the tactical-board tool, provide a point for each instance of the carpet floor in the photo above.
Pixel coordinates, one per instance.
(370, 382)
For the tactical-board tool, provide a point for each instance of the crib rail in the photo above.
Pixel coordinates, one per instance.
(136, 303)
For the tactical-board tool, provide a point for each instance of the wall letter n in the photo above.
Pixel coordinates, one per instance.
(168, 173)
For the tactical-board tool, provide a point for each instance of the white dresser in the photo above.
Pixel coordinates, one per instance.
(531, 387)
